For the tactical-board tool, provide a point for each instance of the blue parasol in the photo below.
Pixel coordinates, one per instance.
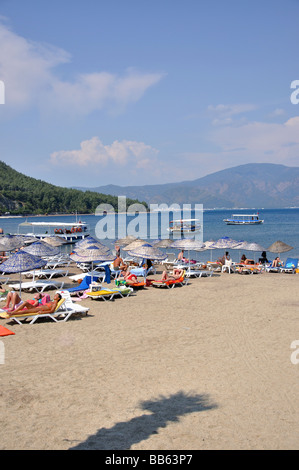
(21, 262)
(92, 253)
(41, 249)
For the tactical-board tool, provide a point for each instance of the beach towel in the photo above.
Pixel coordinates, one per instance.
(5, 332)
(107, 274)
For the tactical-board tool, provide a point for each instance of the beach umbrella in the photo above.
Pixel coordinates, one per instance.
(88, 241)
(279, 247)
(190, 244)
(147, 251)
(135, 244)
(249, 246)
(91, 254)
(27, 239)
(54, 241)
(21, 262)
(165, 243)
(225, 242)
(11, 242)
(126, 240)
(41, 249)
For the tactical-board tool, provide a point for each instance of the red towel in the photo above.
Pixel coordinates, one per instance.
(5, 332)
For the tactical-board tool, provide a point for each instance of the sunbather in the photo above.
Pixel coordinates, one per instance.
(277, 263)
(177, 274)
(263, 258)
(181, 257)
(49, 307)
(118, 263)
(18, 304)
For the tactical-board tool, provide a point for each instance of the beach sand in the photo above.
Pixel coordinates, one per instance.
(204, 366)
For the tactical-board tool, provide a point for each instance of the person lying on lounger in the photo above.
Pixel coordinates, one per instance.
(49, 307)
(16, 301)
(177, 274)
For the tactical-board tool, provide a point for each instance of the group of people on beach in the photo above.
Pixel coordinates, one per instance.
(15, 305)
(131, 278)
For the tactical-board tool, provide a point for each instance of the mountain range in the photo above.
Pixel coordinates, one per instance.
(254, 185)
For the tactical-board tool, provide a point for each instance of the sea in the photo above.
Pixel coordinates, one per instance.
(279, 224)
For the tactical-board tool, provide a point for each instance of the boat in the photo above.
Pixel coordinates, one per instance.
(69, 232)
(184, 226)
(244, 219)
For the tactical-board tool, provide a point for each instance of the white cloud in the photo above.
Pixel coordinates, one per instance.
(94, 152)
(28, 70)
(223, 113)
(252, 142)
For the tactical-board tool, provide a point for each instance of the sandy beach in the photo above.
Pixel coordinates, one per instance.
(204, 366)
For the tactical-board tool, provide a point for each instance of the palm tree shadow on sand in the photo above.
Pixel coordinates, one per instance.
(164, 410)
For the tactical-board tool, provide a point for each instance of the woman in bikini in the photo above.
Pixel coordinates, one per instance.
(18, 304)
(47, 308)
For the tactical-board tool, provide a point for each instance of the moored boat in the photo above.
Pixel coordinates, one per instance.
(69, 232)
(244, 219)
(184, 226)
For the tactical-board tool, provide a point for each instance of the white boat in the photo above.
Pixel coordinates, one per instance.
(184, 226)
(69, 232)
(244, 219)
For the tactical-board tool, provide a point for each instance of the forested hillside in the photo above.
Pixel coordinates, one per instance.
(20, 194)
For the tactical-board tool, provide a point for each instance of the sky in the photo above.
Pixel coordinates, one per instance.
(139, 92)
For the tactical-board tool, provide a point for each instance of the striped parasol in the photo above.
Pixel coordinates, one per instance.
(41, 249)
(126, 240)
(11, 242)
(147, 251)
(91, 254)
(135, 244)
(21, 262)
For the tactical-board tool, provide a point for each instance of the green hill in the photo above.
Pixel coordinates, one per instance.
(23, 195)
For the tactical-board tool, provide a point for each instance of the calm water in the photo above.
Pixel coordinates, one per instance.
(280, 224)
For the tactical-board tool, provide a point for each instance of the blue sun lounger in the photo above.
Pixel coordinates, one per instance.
(85, 284)
(290, 266)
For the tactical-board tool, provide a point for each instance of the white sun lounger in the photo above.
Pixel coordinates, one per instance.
(38, 286)
(199, 273)
(65, 309)
(46, 273)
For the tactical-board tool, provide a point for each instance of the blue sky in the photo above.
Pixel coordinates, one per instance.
(138, 92)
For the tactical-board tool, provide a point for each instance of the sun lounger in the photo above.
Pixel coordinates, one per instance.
(64, 310)
(171, 283)
(109, 294)
(70, 305)
(290, 266)
(18, 317)
(199, 273)
(84, 285)
(47, 273)
(38, 286)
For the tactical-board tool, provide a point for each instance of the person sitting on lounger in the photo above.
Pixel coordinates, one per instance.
(118, 263)
(277, 263)
(224, 258)
(129, 277)
(182, 258)
(263, 258)
(49, 307)
(18, 304)
(177, 274)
